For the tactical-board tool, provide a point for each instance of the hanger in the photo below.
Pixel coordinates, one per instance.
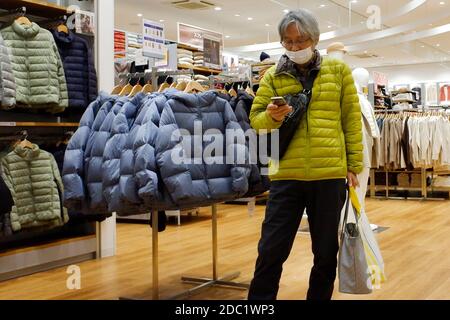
(135, 90)
(181, 86)
(62, 28)
(147, 88)
(116, 90)
(233, 92)
(173, 85)
(25, 143)
(126, 90)
(163, 87)
(194, 87)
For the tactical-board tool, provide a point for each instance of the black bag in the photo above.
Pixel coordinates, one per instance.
(299, 103)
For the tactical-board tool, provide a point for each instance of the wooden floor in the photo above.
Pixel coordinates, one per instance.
(416, 250)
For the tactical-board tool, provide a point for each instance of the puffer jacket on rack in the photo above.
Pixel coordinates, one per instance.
(258, 184)
(33, 178)
(7, 82)
(75, 192)
(200, 179)
(37, 68)
(95, 149)
(115, 156)
(6, 205)
(145, 168)
(79, 68)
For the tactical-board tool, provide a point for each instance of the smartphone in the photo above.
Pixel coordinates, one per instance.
(278, 101)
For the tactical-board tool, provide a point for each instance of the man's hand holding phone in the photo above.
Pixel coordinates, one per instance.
(278, 109)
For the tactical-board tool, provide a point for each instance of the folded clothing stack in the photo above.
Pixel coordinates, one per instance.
(119, 44)
(183, 78)
(199, 59)
(442, 182)
(185, 58)
(200, 77)
(133, 40)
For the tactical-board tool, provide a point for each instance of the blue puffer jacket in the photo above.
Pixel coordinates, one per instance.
(100, 134)
(79, 68)
(145, 170)
(74, 171)
(116, 183)
(201, 182)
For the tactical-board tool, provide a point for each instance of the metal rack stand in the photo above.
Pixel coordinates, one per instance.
(203, 282)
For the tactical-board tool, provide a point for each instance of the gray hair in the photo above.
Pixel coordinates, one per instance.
(306, 22)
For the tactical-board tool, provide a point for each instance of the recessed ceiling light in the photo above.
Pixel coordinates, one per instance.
(438, 45)
(217, 8)
(267, 25)
(422, 46)
(227, 37)
(286, 11)
(249, 18)
(442, 3)
(162, 20)
(322, 5)
(139, 14)
(329, 27)
(354, 1)
(237, 15)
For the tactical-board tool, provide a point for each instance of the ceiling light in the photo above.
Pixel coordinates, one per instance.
(249, 18)
(329, 27)
(442, 3)
(354, 1)
(237, 15)
(438, 45)
(217, 8)
(227, 37)
(286, 11)
(162, 20)
(267, 25)
(322, 5)
(139, 15)
(422, 46)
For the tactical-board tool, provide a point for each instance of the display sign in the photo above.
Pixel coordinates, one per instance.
(211, 52)
(380, 78)
(84, 22)
(153, 42)
(193, 36)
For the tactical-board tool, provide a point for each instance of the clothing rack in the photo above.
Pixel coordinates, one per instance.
(203, 282)
(423, 169)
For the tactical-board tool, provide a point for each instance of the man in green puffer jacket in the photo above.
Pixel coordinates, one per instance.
(325, 150)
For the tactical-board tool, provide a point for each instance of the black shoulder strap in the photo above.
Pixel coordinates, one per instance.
(309, 82)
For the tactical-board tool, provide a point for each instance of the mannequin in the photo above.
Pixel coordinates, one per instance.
(371, 132)
(337, 50)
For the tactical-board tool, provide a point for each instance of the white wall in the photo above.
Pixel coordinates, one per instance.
(430, 72)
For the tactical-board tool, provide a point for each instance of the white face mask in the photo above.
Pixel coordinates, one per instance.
(301, 56)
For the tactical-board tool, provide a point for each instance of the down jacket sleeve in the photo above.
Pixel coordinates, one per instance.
(237, 151)
(260, 119)
(73, 171)
(169, 148)
(145, 167)
(63, 93)
(60, 186)
(7, 82)
(351, 122)
(92, 86)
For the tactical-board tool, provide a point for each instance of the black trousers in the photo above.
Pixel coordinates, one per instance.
(323, 201)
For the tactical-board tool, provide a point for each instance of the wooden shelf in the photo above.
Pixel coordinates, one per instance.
(35, 7)
(201, 69)
(186, 47)
(40, 124)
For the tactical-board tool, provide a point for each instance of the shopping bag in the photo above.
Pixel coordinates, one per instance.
(374, 258)
(354, 277)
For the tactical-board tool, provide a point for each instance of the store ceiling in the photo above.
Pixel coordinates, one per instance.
(334, 15)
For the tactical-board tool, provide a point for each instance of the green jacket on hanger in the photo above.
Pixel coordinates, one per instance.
(34, 180)
(37, 67)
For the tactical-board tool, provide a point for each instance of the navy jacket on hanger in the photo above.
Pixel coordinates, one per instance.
(79, 68)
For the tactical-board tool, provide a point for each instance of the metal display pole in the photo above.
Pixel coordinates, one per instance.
(215, 281)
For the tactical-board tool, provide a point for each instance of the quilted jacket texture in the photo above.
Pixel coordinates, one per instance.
(37, 67)
(79, 68)
(34, 180)
(7, 82)
(328, 141)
